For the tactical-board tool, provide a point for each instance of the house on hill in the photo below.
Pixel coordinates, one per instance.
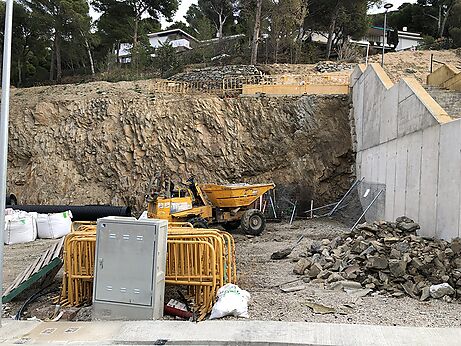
(177, 38)
(375, 38)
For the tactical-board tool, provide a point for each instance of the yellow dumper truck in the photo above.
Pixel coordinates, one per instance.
(202, 204)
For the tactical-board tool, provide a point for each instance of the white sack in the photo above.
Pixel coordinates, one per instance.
(20, 227)
(53, 226)
(232, 301)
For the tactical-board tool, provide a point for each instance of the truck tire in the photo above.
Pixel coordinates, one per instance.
(198, 222)
(253, 222)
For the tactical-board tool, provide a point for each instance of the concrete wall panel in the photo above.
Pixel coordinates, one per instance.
(449, 183)
(388, 123)
(382, 163)
(410, 112)
(373, 97)
(413, 175)
(400, 177)
(391, 156)
(429, 181)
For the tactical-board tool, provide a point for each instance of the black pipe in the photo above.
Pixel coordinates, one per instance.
(79, 212)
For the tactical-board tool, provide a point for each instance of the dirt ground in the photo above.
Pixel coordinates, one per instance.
(261, 276)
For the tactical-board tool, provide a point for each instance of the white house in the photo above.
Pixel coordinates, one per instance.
(175, 37)
(374, 36)
(408, 40)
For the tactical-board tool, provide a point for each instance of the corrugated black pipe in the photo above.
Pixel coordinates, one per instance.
(79, 212)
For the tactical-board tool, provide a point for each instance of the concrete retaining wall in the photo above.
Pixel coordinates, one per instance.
(407, 142)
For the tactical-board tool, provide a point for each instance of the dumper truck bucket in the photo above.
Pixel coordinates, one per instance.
(234, 195)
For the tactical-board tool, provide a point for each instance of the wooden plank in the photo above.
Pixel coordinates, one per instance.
(37, 265)
(30, 272)
(42, 262)
(18, 280)
(50, 254)
(57, 252)
(55, 263)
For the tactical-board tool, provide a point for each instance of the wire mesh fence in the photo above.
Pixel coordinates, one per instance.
(364, 201)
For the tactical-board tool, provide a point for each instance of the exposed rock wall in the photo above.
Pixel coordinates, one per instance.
(101, 142)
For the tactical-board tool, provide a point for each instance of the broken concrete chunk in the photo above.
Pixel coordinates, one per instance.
(408, 226)
(377, 262)
(456, 246)
(334, 277)
(321, 309)
(425, 293)
(397, 267)
(439, 291)
(301, 266)
(324, 274)
(344, 284)
(314, 270)
(358, 292)
(403, 219)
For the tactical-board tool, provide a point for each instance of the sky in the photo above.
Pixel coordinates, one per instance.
(396, 4)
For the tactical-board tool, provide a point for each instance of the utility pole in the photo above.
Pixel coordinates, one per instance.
(5, 108)
(257, 27)
(387, 7)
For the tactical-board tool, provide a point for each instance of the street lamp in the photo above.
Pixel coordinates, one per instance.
(5, 107)
(387, 7)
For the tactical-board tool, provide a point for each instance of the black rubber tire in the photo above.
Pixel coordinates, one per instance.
(253, 222)
(198, 222)
(231, 225)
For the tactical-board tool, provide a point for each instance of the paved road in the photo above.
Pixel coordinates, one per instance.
(238, 332)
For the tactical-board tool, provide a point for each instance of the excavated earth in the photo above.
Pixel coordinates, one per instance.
(100, 143)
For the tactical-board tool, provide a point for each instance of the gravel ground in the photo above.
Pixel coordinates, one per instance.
(261, 276)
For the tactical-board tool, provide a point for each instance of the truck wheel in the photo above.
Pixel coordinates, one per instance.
(253, 222)
(198, 222)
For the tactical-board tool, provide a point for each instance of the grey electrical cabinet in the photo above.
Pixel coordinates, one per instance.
(129, 275)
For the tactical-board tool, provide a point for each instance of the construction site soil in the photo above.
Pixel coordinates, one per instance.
(261, 276)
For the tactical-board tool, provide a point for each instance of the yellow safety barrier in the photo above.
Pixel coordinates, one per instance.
(203, 260)
(189, 264)
(79, 257)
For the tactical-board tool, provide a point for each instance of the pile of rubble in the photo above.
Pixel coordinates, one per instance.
(331, 66)
(386, 257)
(216, 73)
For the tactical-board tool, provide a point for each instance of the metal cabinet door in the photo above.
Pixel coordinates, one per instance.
(125, 260)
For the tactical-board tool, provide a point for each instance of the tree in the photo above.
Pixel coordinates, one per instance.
(29, 45)
(339, 18)
(66, 19)
(439, 10)
(200, 25)
(137, 10)
(166, 60)
(257, 28)
(219, 13)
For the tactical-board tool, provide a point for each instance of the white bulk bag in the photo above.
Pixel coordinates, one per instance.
(20, 227)
(52, 226)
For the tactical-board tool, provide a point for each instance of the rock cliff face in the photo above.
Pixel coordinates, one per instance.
(101, 142)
